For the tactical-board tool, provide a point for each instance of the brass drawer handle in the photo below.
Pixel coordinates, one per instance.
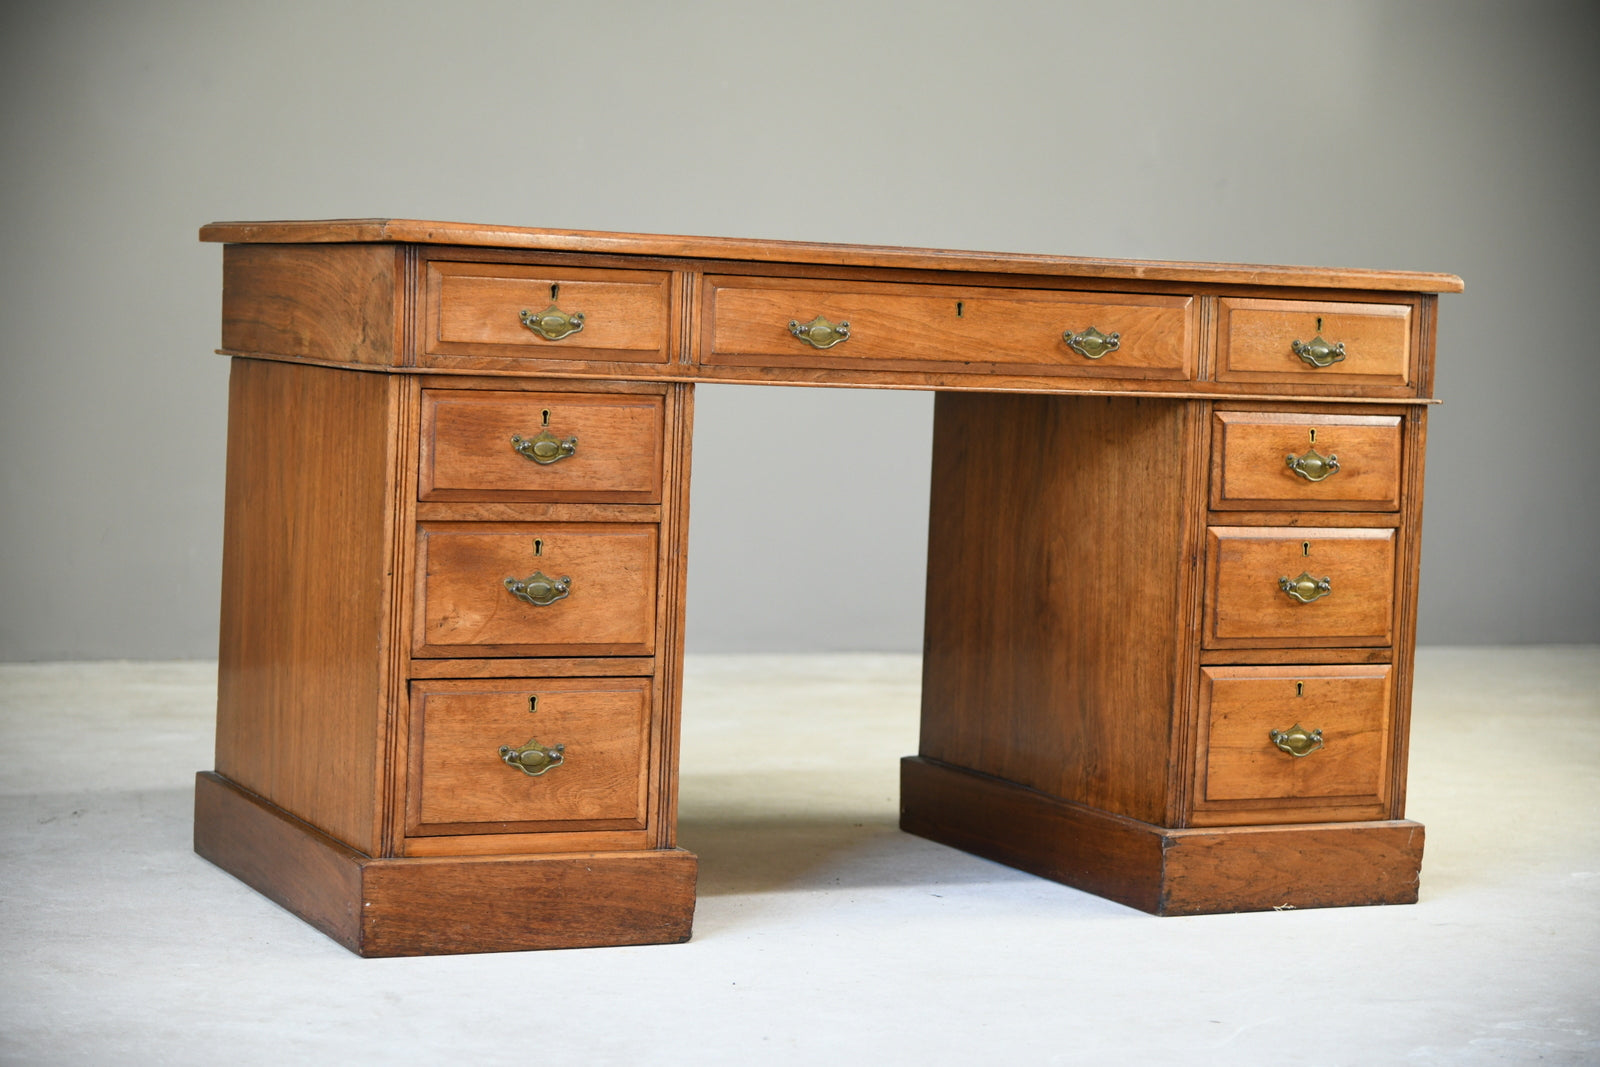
(820, 333)
(1297, 740)
(1318, 353)
(552, 323)
(1313, 466)
(545, 449)
(533, 759)
(1091, 343)
(539, 588)
(1305, 588)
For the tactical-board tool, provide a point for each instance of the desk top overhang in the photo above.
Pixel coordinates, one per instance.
(415, 231)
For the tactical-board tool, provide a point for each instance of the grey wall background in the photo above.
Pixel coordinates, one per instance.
(1460, 137)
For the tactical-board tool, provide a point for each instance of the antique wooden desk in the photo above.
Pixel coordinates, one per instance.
(1172, 567)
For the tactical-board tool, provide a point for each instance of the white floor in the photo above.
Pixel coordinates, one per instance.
(822, 932)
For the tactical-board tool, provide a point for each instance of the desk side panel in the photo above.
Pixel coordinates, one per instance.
(306, 592)
(334, 303)
(1056, 588)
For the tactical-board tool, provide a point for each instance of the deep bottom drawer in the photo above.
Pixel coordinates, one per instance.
(528, 755)
(1293, 744)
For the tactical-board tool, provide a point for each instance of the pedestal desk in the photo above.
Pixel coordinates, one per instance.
(1172, 567)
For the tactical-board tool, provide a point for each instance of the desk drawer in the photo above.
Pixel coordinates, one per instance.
(1276, 461)
(479, 309)
(1284, 340)
(578, 751)
(1340, 587)
(896, 327)
(592, 588)
(480, 445)
(1307, 743)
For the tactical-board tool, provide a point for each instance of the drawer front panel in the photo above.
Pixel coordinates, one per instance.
(1257, 341)
(585, 742)
(1347, 577)
(479, 445)
(894, 327)
(1337, 718)
(607, 605)
(1275, 461)
(476, 309)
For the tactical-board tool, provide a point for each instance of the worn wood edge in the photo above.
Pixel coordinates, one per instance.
(437, 905)
(395, 654)
(288, 861)
(442, 905)
(730, 248)
(844, 378)
(674, 592)
(1156, 869)
(1183, 727)
(1109, 855)
(1287, 867)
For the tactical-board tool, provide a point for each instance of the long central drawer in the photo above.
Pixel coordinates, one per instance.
(775, 321)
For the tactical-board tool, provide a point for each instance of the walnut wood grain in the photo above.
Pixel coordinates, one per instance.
(464, 608)
(1056, 593)
(671, 604)
(338, 304)
(526, 843)
(1255, 341)
(515, 510)
(1156, 869)
(1407, 581)
(1243, 777)
(746, 323)
(1250, 468)
(474, 309)
(306, 577)
(458, 782)
(439, 905)
(1246, 608)
(543, 667)
(469, 453)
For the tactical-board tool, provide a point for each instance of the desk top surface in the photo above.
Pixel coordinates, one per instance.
(416, 231)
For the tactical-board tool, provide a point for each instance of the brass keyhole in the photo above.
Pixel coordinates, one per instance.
(555, 294)
(1313, 433)
(538, 546)
(545, 421)
(533, 704)
(1305, 548)
(1319, 323)
(958, 309)
(1299, 689)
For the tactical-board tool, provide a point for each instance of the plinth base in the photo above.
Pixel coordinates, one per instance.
(436, 905)
(1155, 869)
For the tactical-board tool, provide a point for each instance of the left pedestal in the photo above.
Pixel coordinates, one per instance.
(449, 658)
